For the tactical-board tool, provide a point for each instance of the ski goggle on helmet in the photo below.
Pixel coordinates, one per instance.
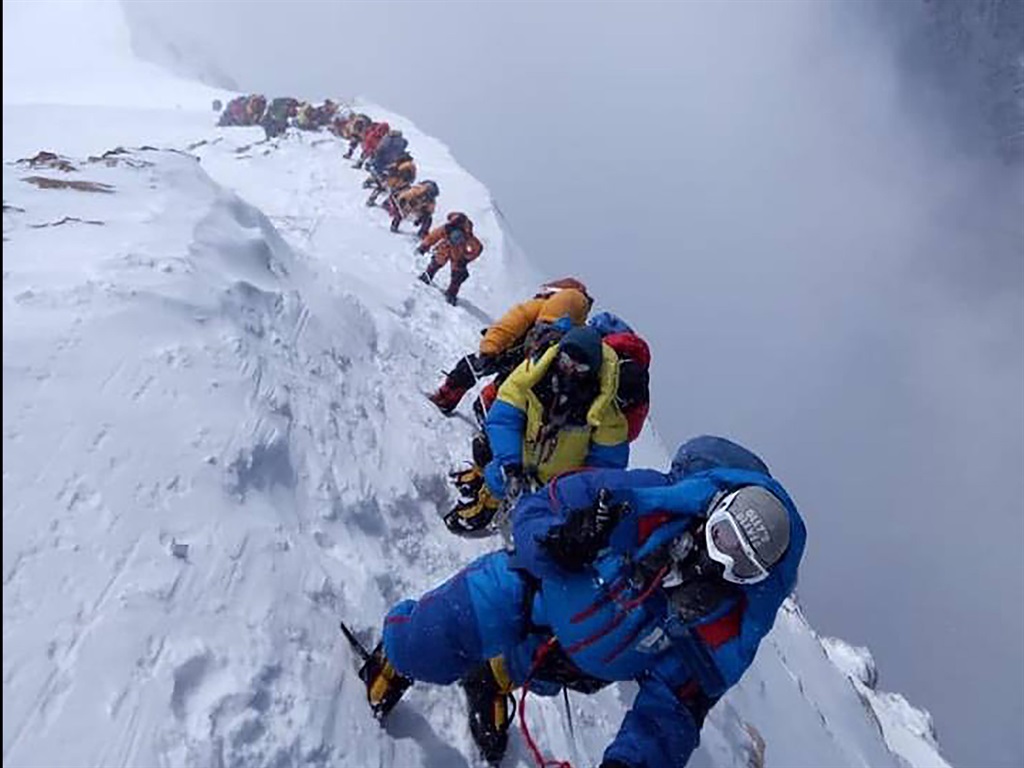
(747, 532)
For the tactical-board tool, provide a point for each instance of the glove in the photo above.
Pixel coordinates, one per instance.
(575, 543)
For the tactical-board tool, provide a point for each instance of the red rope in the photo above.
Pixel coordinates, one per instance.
(542, 762)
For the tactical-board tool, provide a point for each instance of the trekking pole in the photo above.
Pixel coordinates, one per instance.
(573, 743)
(568, 715)
(357, 646)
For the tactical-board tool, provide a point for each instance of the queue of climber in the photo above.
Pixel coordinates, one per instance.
(561, 389)
(276, 115)
(670, 579)
(392, 175)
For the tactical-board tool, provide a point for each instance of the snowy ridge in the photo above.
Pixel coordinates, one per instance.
(215, 444)
(908, 731)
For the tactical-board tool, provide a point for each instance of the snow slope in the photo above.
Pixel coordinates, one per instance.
(215, 444)
(909, 732)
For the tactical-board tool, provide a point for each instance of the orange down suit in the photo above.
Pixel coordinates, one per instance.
(445, 251)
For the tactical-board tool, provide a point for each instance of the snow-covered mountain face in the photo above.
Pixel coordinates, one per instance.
(216, 444)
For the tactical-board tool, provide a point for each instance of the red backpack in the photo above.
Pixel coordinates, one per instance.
(634, 396)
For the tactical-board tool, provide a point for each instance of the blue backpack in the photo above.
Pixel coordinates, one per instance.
(710, 452)
(606, 323)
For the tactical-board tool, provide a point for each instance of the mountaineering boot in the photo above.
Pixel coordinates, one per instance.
(488, 690)
(384, 685)
(476, 507)
(428, 273)
(447, 397)
(468, 482)
(459, 275)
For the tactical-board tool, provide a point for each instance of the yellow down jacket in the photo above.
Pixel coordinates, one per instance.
(602, 441)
